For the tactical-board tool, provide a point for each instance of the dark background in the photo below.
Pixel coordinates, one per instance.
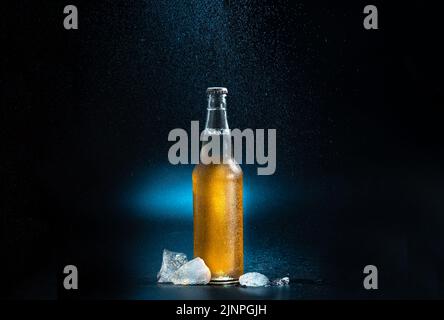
(86, 115)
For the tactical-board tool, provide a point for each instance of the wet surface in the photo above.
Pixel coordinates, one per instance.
(295, 291)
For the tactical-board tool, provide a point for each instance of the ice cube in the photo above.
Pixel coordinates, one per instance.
(192, 272)
(171, 261)
(253, 279)
(280, 282)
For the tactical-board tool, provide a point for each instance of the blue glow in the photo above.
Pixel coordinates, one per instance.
(167, 191)
(163, 191)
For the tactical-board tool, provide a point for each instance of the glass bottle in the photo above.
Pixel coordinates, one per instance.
(217, 200)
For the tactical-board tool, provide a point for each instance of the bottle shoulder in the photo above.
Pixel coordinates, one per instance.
(223, 170)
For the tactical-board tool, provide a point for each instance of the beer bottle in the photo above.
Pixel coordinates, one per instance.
(217, 198)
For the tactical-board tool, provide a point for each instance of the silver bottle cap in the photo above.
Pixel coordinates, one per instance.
(217, 90)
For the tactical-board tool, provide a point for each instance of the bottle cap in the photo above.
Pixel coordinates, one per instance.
(217, 90)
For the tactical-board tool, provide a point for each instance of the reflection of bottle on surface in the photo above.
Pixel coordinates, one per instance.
(217, 201)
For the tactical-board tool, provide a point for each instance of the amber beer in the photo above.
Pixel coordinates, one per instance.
(217, 202)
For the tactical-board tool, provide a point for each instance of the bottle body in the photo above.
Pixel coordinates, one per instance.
(218, 219)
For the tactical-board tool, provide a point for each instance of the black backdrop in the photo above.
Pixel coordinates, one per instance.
(357, 113)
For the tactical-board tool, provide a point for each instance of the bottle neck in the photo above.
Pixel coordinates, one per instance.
(216, 127)
(217, 113)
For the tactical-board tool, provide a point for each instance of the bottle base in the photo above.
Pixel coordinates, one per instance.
(224, 282)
